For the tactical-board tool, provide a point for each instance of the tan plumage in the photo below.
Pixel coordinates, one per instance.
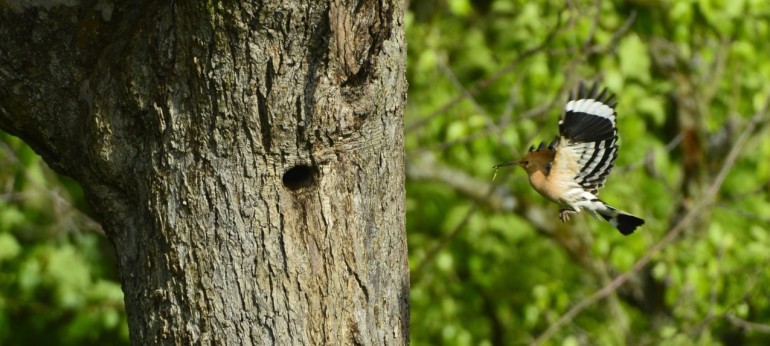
(571, 170)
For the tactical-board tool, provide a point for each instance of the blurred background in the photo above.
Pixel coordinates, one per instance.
(491, 263)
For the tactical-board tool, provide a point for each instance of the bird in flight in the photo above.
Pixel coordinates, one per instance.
(571, 169)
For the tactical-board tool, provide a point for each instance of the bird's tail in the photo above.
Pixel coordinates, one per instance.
(624, 222)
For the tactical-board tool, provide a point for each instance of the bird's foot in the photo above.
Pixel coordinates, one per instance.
(564, 214)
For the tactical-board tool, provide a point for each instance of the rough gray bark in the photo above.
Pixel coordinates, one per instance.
(245, 158)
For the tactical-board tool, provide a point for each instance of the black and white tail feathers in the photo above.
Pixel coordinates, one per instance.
(624, 222)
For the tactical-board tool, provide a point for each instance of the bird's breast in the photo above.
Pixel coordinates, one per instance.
(544, 186)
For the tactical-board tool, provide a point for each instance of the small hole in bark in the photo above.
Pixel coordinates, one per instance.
(298, 177)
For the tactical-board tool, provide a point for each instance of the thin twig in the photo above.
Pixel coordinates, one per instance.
(443, 242)
(740, 212)
(449, 236)
(671, 145)
(490, 124)
(594, 24)
(14, 196)
(89, 223)
(748, 325)
(616, 36)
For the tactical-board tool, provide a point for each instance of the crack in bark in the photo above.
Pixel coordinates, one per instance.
(264, 121)
(360, 283)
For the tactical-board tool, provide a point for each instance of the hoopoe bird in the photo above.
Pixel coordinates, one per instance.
(571, 169)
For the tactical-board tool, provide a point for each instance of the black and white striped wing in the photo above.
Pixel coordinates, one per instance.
(588, 135)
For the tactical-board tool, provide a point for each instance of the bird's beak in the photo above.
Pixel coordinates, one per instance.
(511, 163)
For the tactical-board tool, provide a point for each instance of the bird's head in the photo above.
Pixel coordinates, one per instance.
(539, 159)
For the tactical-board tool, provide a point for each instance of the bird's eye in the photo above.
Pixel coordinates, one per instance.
(526, 162)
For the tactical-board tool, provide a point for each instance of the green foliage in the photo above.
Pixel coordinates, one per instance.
(57, 282)
(688, 74)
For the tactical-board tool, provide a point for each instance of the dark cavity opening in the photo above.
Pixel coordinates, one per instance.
(298, 177)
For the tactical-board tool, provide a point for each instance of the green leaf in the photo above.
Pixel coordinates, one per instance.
(634, 58)
(460, 7)
(10, 217)
(653, 107)
(9, 247)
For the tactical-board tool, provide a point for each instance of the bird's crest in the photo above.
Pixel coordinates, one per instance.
(543, 152)
(550, 147)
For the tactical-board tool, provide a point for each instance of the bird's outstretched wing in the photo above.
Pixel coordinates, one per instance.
(587, 147)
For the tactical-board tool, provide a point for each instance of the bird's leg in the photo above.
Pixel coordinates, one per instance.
(564, 214)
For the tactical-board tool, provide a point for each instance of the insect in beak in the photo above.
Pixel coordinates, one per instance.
(504, 164)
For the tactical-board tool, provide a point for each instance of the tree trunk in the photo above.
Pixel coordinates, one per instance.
(245, 158)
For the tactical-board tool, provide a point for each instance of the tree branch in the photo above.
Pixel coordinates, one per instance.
(426, 167)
